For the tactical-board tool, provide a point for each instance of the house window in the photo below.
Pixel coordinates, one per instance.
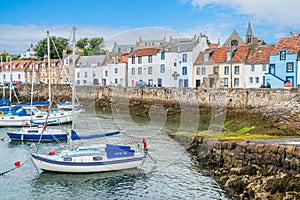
(236, 69)
(184, 57)
(282, 55)
(289, 67)
(94, 74)
(203, 70)
(184, 70)
(162, 68)
(78, 75)
(133, 60)
(139, 71)
(78, 82)
(216, 70)
(133, 71)
(175, 64)
(150, 82)
(251, 79)
(162, 55)
(206, 57)
(252, 68)
(106, 73)
(116, 80)
(150, 59)
(140, 59)
(180, 83)
(225, 82)
(116, 70)
(19, 76)
(85, 74)
(149, 70)
(264, 67)
(198, 71)
(236, 82)
(226, 70)
(256, 79)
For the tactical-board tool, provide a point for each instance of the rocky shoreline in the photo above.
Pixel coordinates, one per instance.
(249, 170)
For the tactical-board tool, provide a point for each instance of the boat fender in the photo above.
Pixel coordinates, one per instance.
(52, 152)
(17, 163)
(1, 113)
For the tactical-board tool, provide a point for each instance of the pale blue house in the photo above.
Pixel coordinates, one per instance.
(284, 62)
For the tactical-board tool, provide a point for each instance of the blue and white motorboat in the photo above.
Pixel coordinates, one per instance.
(37, 134)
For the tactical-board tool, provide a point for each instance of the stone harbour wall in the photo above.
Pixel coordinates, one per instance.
(238, 98)
(251, 170)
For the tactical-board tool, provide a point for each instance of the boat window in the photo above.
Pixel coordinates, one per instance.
(97, 158)
(33, 131)
(68, 159)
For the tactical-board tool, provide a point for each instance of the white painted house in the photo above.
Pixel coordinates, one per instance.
(165, 66)
(88, 70)
(257, 65)
(114, 72)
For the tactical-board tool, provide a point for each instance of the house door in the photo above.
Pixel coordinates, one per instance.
(272, 69)
(186, 83)
(132, 83)
(159, 82)
(198, 83)
(291, 79)
(211, 82)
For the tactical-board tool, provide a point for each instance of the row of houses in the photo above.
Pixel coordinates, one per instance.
(177, 62)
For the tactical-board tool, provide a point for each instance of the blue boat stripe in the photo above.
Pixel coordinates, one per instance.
(86, 163)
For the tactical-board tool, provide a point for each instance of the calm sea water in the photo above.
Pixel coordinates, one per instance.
(170, 175)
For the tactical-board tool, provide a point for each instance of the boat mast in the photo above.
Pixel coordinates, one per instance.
(49, 74)
(10, 84)
(73, 85)
(2, 76)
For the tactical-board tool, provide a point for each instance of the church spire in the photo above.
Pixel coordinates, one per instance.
(249, 34)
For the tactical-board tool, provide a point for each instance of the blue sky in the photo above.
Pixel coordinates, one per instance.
(24, 22)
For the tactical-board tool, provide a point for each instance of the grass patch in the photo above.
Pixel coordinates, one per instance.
(228, 135)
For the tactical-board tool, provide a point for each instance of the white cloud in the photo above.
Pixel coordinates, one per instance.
(17, 39)
(270, 11)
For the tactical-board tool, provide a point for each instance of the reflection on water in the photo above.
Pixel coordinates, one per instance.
(171, 176)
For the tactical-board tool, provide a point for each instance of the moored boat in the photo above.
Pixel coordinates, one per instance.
(36, 134)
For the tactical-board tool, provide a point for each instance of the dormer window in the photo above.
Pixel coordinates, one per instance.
(206, 57)
(228, 56)
(282, 55)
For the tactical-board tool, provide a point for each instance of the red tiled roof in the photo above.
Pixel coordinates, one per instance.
(219, 55)
(292, 44)
(144, 52)
(261, 54)
(241, 53)
(121, 59)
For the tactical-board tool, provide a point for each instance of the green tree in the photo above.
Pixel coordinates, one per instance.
(83, 43)
(93, 46)
(3, 56)
(57, 45)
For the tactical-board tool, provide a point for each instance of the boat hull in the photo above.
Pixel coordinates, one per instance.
(18, 121)
(36, 138)
(48, 164)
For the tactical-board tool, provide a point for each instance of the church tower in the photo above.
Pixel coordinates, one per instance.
(249, 34)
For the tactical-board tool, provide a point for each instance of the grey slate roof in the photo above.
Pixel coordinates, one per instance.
(87, 61)
(181, 45)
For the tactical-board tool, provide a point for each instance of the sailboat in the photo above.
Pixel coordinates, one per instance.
(99, 158)
(31, 116)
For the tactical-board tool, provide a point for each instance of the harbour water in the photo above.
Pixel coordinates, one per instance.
(168, 174)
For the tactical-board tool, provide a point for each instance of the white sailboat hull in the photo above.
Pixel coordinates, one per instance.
(53, 119)
(86, 167)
